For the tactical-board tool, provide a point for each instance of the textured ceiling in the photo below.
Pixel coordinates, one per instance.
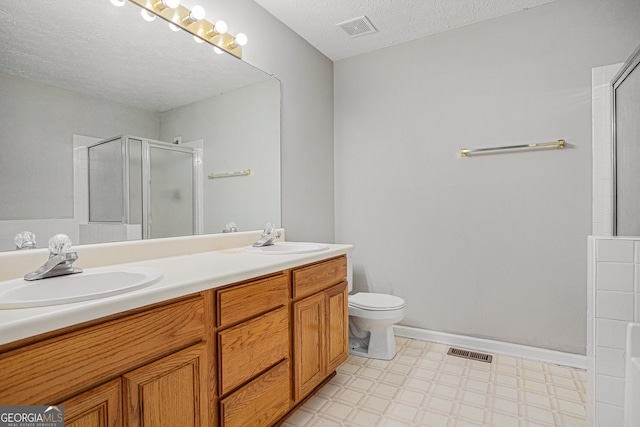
(94, 48)
(397, 21)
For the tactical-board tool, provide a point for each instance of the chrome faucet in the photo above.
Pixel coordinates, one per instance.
(230, 227)
(60, 261)
(269, 234)
(25, 240)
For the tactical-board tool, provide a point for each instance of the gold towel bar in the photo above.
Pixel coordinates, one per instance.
(226, 174)
(558, 144)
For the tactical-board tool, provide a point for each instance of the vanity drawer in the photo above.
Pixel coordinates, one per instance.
(261, 402)
(242, 302)
(316, 277)
(59, 367)
(251, 347)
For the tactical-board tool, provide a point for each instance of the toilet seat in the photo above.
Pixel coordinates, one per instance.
(375, 302)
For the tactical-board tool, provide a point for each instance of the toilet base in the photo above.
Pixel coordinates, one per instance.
(382, 345)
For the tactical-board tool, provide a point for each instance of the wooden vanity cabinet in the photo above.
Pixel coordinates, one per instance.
(320, 323)
(241, 355)
(149, 367)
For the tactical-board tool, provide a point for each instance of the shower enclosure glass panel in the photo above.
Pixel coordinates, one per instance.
(171, 208)
(626, 128)
(150, 183)
(105, 182)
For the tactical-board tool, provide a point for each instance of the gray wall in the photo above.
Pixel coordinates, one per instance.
(37, 123)
(307, 115)
(492, 246)
(240, 130)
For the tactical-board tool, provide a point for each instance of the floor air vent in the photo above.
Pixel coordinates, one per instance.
(469, 354)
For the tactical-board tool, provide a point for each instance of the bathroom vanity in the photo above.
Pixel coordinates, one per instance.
(233, 353)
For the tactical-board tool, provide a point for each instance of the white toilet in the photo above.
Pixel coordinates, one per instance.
(371, 320)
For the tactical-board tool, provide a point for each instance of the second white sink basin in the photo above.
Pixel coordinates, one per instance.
(287, 248)
(92, 283)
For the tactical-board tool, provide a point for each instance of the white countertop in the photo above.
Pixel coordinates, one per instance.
(183, 275)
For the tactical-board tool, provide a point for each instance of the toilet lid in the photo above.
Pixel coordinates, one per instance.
(373, 301)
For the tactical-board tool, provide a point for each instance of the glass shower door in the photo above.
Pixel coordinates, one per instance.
(170, 193)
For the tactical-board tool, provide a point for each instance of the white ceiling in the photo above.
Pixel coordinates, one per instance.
(397, 21)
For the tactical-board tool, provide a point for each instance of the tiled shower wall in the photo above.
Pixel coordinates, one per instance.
(613, 302)
(613, 293)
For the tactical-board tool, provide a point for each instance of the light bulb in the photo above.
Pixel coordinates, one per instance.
(174, 27)
(171, 4)
(166, 4)
(197, 39)
(220, 27)
(147, 16)
(218, 50)
(118, 3)
(240, 40)
(196, 14)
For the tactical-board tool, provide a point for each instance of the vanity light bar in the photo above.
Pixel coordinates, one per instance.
(201, 29)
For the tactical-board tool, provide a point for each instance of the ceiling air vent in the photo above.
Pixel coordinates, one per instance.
(357, 27)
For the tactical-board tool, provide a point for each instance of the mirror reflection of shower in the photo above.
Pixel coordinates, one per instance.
(143, 189)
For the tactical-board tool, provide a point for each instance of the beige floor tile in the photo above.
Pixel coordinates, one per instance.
(402, 411)
(440, 405)
(376, 404)
(337, 410)
(434, 420)
(352, 397)
(424, 387)
(365, 418)
(371, 373)
(412, 352)
(422, 373)
(385, 390)
(503, 420)
(418, 384)
(473, 398)
(410, 397)
(325, 422)
(470, 413)
(509, 407)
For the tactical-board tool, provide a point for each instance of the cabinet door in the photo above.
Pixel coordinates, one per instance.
(98, 407)
(309, 344)
(169, 392)
(337, 326)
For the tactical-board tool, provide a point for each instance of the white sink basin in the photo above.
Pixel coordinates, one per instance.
(92, 283)
(287, 248)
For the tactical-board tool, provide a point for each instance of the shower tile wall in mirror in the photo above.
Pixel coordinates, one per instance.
(84, 70)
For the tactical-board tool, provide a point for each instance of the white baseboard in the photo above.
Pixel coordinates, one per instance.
(490, 346)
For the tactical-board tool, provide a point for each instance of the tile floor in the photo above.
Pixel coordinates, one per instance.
(422, 386)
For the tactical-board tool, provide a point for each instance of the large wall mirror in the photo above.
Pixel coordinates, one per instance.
(76, 72)
(626, 143)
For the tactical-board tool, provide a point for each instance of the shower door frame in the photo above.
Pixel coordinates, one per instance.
(196, 182)
(125, 170)
(630, 65)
